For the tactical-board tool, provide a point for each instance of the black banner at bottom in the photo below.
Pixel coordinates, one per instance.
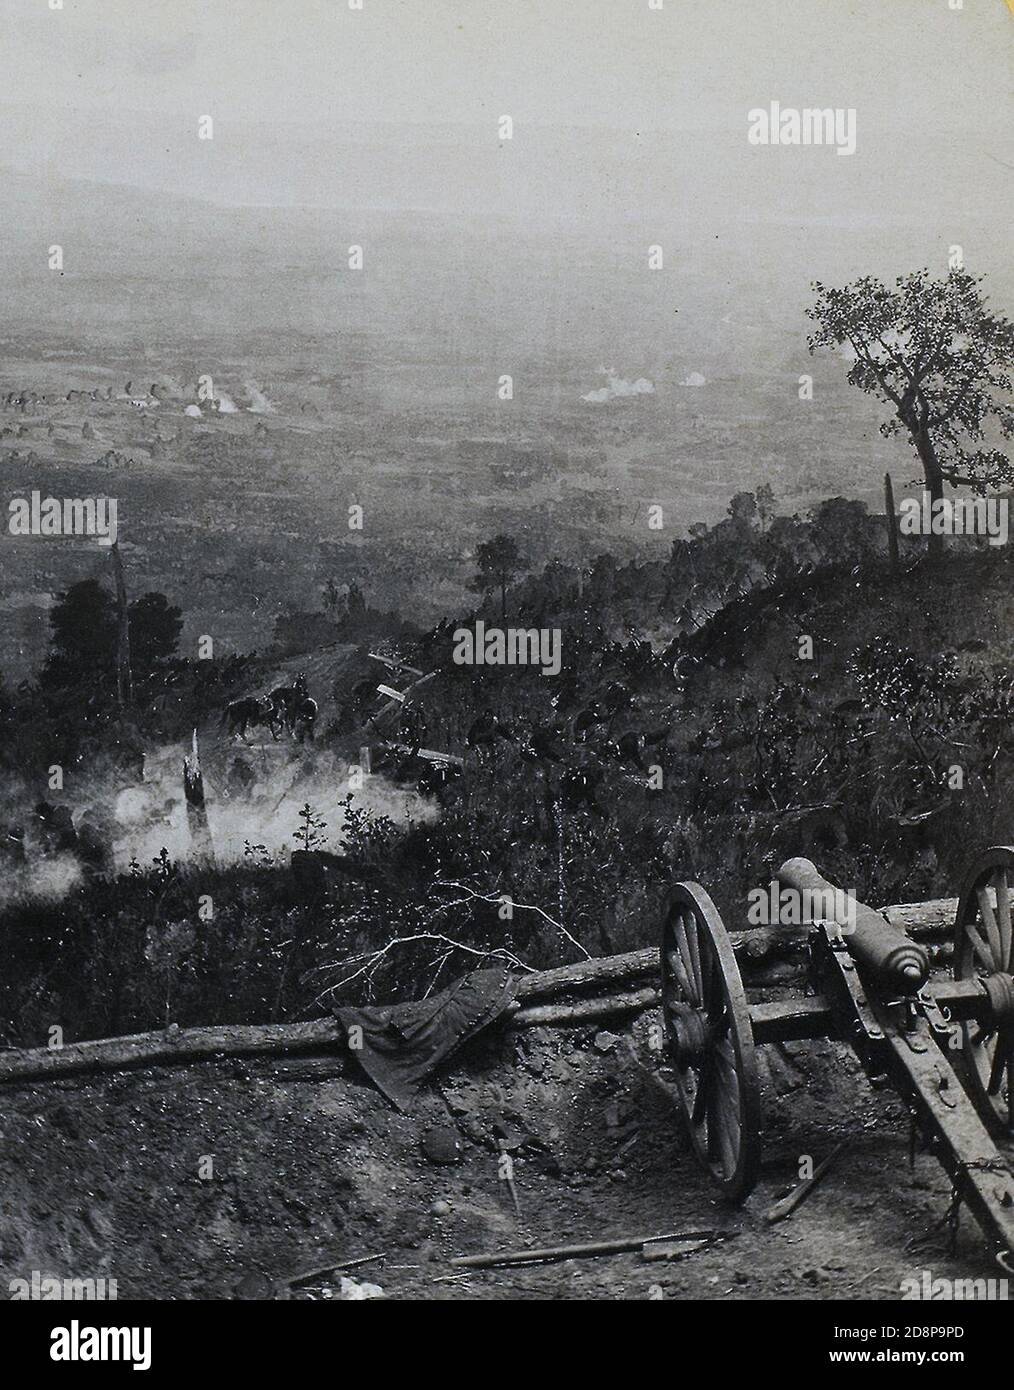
(162, 1340)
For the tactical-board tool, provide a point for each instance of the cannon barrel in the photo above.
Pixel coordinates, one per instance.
(870, 938)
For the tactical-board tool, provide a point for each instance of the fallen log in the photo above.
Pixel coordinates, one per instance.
(171, 1045)
(924, 921)
(538, 1015)
(176, 1045)
(588, 974)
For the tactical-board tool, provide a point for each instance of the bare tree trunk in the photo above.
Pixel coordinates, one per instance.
(934, 482)
(892, 523)
(124, 680)
(197, 811)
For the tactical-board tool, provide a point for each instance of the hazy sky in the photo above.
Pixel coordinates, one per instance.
(335, 126)
(113, 89)
(630, 130)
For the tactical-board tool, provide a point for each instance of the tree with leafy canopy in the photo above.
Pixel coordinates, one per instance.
(84, 632)
(932, 351)
(841, 531)
(155, 627)
(499, 561)
(743, 510)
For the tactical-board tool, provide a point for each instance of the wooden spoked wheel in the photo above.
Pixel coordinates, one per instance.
(982, 950)
(710, 1040)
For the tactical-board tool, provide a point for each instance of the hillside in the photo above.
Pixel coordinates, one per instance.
(713, 714)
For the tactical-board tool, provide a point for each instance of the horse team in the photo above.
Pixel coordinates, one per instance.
(288, 707)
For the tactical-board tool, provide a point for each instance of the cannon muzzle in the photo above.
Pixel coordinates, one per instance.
(871, 940)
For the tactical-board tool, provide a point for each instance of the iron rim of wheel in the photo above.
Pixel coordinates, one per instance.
(983, 951)
(710, 1041)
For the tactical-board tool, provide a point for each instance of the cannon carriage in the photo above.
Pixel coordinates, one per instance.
(945, 1045)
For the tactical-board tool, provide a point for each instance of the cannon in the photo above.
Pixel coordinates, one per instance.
(946, 1045)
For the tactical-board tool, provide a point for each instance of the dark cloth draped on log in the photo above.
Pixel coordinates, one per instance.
(403, 1043)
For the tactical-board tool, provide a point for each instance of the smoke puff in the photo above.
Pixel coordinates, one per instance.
(136, 820)
(48, 878)
(618, 386)
(153, 816)
(259, 403)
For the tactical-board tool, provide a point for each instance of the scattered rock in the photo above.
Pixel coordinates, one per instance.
(462, 1101)
(440, 1144)
(440, 1208)
(510, 1137)
(605, 1041)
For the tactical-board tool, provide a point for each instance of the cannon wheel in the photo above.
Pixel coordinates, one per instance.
(710, 1040)
(982, 950)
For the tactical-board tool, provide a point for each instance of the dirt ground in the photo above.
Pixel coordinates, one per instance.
(310, 1164)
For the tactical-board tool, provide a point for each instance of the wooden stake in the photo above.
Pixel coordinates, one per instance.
(778, 1211)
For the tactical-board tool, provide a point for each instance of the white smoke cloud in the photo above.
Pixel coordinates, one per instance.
(259, 403)
(153, 814)
(617, 386)
(136, 820)
(45, 879)
(695, 379)
(226, 405)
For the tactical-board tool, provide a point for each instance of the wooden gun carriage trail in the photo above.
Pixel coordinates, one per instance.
(871, 989)
(864, 981)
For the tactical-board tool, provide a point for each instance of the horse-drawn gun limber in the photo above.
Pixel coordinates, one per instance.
(870, 987)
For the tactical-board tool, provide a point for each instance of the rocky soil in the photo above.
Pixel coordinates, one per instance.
(226, 1179)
